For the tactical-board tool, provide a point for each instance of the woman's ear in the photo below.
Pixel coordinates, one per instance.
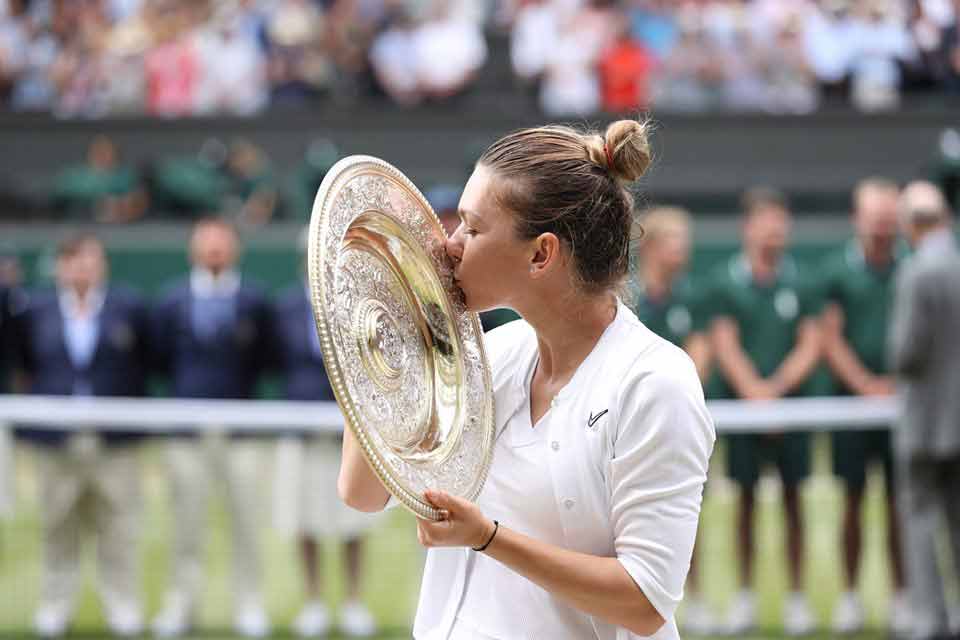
(546, 253)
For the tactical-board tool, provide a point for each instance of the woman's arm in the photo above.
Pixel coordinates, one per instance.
(598, 586)
(358, 486)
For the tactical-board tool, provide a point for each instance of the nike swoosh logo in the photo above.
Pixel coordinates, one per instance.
(593, 418)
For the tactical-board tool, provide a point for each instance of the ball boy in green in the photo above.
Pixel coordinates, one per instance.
(766, 340)
(858, 286)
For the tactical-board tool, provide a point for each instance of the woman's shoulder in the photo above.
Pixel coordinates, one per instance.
(507, 340)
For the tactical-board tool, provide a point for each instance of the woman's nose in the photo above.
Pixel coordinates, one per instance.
(454, 246)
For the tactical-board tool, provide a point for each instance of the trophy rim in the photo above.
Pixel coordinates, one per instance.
(341, 172)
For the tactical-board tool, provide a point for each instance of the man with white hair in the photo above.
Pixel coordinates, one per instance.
(925, 353)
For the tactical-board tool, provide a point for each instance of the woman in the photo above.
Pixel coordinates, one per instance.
(586, 524)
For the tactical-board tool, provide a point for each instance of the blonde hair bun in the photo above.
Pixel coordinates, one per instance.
(626, 149)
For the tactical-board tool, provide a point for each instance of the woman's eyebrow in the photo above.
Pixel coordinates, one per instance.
(466, 213)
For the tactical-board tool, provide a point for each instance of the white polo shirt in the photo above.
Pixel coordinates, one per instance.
(615, 468)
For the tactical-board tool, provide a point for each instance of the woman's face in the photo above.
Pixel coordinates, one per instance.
(491, 264)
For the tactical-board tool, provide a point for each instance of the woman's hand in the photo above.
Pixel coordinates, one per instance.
(462, 523)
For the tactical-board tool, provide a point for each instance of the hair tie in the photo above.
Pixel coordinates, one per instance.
(606, 152)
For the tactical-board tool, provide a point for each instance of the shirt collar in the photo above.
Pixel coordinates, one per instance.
(522, 373)
(70, 303)
(853, 254)
(741, 272)
(204, 284)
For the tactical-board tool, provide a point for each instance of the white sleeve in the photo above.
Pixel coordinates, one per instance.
(661, 451)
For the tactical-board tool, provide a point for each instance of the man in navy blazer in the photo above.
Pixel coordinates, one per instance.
(212, 334)
(88, 339)
(307, 467)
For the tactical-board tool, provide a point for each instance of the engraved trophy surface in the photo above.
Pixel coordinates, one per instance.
(404, 356)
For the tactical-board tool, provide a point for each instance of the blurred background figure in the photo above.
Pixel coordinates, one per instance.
(212, 336)
(306, 499)
(101, 189)
(301, 187)
(253, 191)
(11, 298)
(925, 354)
(766, 339)
(86, 338)
(445, 201)
(667, 302)
(858, 293)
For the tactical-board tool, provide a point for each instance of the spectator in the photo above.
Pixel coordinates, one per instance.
(791, 83)
(925, 354)
(233, 73)
(253, 184)
(101, 189)
(394, 60)
(625, 75)
(298, 66)
(692, 78)
(925, 32)
(303, 183)
(654, 24)
(767, 342)
(881, 43)
(950, 51)
(570, 85)
(173, 66)
(124, 64)
(745, 85)
(79, 72)
(827, 39)
(449, 53)
(27, 51)
(858, 290)
(190, 186)
(212, 334)
(13, 42)
(533, 38)
(87, 338)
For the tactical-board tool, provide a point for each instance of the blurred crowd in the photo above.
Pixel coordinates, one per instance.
(174, 58)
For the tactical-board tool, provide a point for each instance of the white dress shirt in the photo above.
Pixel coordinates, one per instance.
(81, 330)
(615, 468)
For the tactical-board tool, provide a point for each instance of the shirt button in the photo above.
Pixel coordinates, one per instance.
(568, 503)
(555, 445)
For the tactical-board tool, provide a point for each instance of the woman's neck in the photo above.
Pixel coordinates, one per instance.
(567, 329)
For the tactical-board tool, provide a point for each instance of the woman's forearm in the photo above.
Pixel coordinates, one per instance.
(358, 486)
(599, 586)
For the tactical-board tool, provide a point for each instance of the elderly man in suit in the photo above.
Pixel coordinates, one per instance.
(925, 353)
(212, 333)
(86, 339)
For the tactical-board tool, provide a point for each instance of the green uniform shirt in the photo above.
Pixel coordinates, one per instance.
(77, 190)
(767, 315)
(676, 316)
(864, 294)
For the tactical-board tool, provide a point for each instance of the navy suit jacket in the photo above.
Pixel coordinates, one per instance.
(226, 366)
(301, 366)
(120, 360)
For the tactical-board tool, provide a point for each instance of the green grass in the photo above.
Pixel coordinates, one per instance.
(394, 559)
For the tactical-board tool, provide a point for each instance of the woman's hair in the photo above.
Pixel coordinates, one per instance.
(558, 180)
